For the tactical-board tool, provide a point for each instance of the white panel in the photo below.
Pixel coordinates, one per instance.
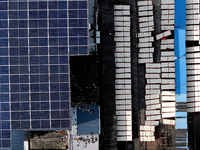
(192, 94)
(153, 65)
(153, 81)
(128, 138)
(167, 22)
(145, 19)
(123, 49)
(123, 97)
(151, 102)
(123, 65)
(193, 55)
(168, 75)
(159, 36)
(192, 38)
(168, 115)
(145, 13)
(192, 27)
(167, 41)
(168, 104)
(168, 81)
(144, 44)
(123, 44)
(122, 24)
(167, 7)
(168, 109)
(168, 70)
(123, 86)
(123, 107)
(166, 58)
(126, 60)
(195, 66)
(122, 91)
(167, 27)
(122, 39)
(143, 8)
(167, 16)
(164, 12)
(145, 34)
(149, 97)
(153, 70)
(147, 29)
(193, 89)
(152, 91)
(149, 76)
(144, 50)
(153, 123)
(145, 55)
(142, 3)
(193, 99)
(122, 18)
(193, 78)
(152, 107)
(121, 7)
(193, 72)
(167, 53)
(192, 61)
(128, 123)
(169, 122)
(148, 39)
(122, 54)
(125, 128)
(156, 117)
(196, 16)
(196, 109)
(146, 24)
(193, 11)
(148, 60)
(146, 133)
(152, 112)
(194, 104)
(122, 28)
(192, 1)
(123, 81)
(168, 46)
(168, 98)
(166, 87)
(152, 86)
(118, 102)
(167, 64)
(147, 128)
(167, 1)
(192, 33)
(168, 93)
(147, 139)
(127, 112)
(123, 70)
(124, 133)
(129, 118)
(121, 13)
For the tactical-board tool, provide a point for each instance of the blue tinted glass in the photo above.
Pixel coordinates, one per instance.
(53, 14)
(34, 69)
(4, 97)
(42, 5)
(23, 32)
(4, 42)
(63, 41)
(55, 114)
(63, 69)
(42, 32)
(13, 42)
(14, 78)
(34, 78)
(33, 51)
(73, 23)
(14, 88)
(24, 88)
(14, 60)
(23, 69)
(33, 23)
(73, 41)
(14, 107)
(43, 69)
(6, 124)
(62, 13)
(55, 105)
(6, 143)
(64, 114)
(62, 4)
(42, 14)
(54, 77)
(64, 96)
(25, 124)
(82, 13)
(15, 124)
(53, 50)
(22, 14)
(54, 87)
(24, 106)
(44, 105)
(65, 105)
(53, 59)
(64, 87)
(53, 23)
(4, 88)
(62, 32)
(43, 51)
(44, 96)
(15, 97)
(4, 79)
(82, 32)
(25, 115)
(55, 123)
(63, 23)
(35, 97)
(22, 23)
(44, 114)
(44, 78)
(23, 51)
(35, 115)
(53, 32)
(42, 23)
(82, 5)
(33, 33)
(3, 14)
(24, 79)
(73, 4)
(83, 41)
(35, 106)
(64, 78)
(3, 33)
(13, 33)
(83, 23)
(73, 14)
(45, 124)
(73, 32)
(3, 51)
(5, 134)
(13, 5)
(33, 5)
(53, 5)
(34, 60)
(63, 59)
(53, 69)
(14, 70)
(65, 123)
(35, 124)
(23, 60)
(54, 96)
(44, 87)
(4, 106)
(22, 5)
(53, 41)
(5, 116)
(43, 42)
(24, 97)
(13, 14)
(3, 60)
(44, 60)
(63, 50)
(3, 69)
(33, 14)
(23, 42)
(34, 87)
(3, 23)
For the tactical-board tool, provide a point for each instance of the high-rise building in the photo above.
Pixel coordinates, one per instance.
(36, 39)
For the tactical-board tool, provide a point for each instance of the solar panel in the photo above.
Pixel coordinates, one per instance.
(34, 62)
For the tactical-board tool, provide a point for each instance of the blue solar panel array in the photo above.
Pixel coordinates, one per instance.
(36, 39)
